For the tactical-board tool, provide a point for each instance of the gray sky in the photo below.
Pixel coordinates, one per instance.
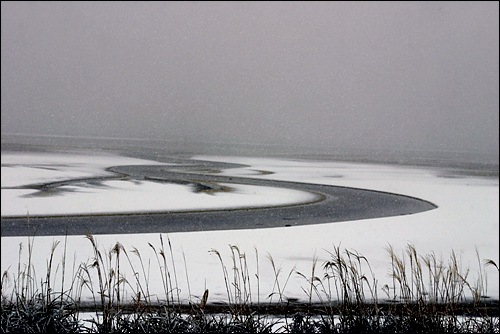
(385, 75)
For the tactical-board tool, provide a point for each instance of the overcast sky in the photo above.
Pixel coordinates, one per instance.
(395, 75)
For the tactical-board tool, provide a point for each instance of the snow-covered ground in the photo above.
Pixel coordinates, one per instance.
(466, 220)
(116, 196)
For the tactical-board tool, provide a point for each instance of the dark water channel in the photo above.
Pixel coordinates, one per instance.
(330, 204)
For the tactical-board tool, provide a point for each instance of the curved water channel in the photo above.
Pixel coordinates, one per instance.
(331, 204)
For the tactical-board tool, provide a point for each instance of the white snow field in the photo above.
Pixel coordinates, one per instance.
(465, 222)
(117, 196)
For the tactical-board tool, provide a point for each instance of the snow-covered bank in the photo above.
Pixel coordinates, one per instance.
(466, 218)
(116, 196)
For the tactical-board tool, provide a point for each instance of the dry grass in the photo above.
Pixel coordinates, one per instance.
(427, 294)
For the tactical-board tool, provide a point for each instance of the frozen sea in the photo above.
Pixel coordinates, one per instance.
(464, 188)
